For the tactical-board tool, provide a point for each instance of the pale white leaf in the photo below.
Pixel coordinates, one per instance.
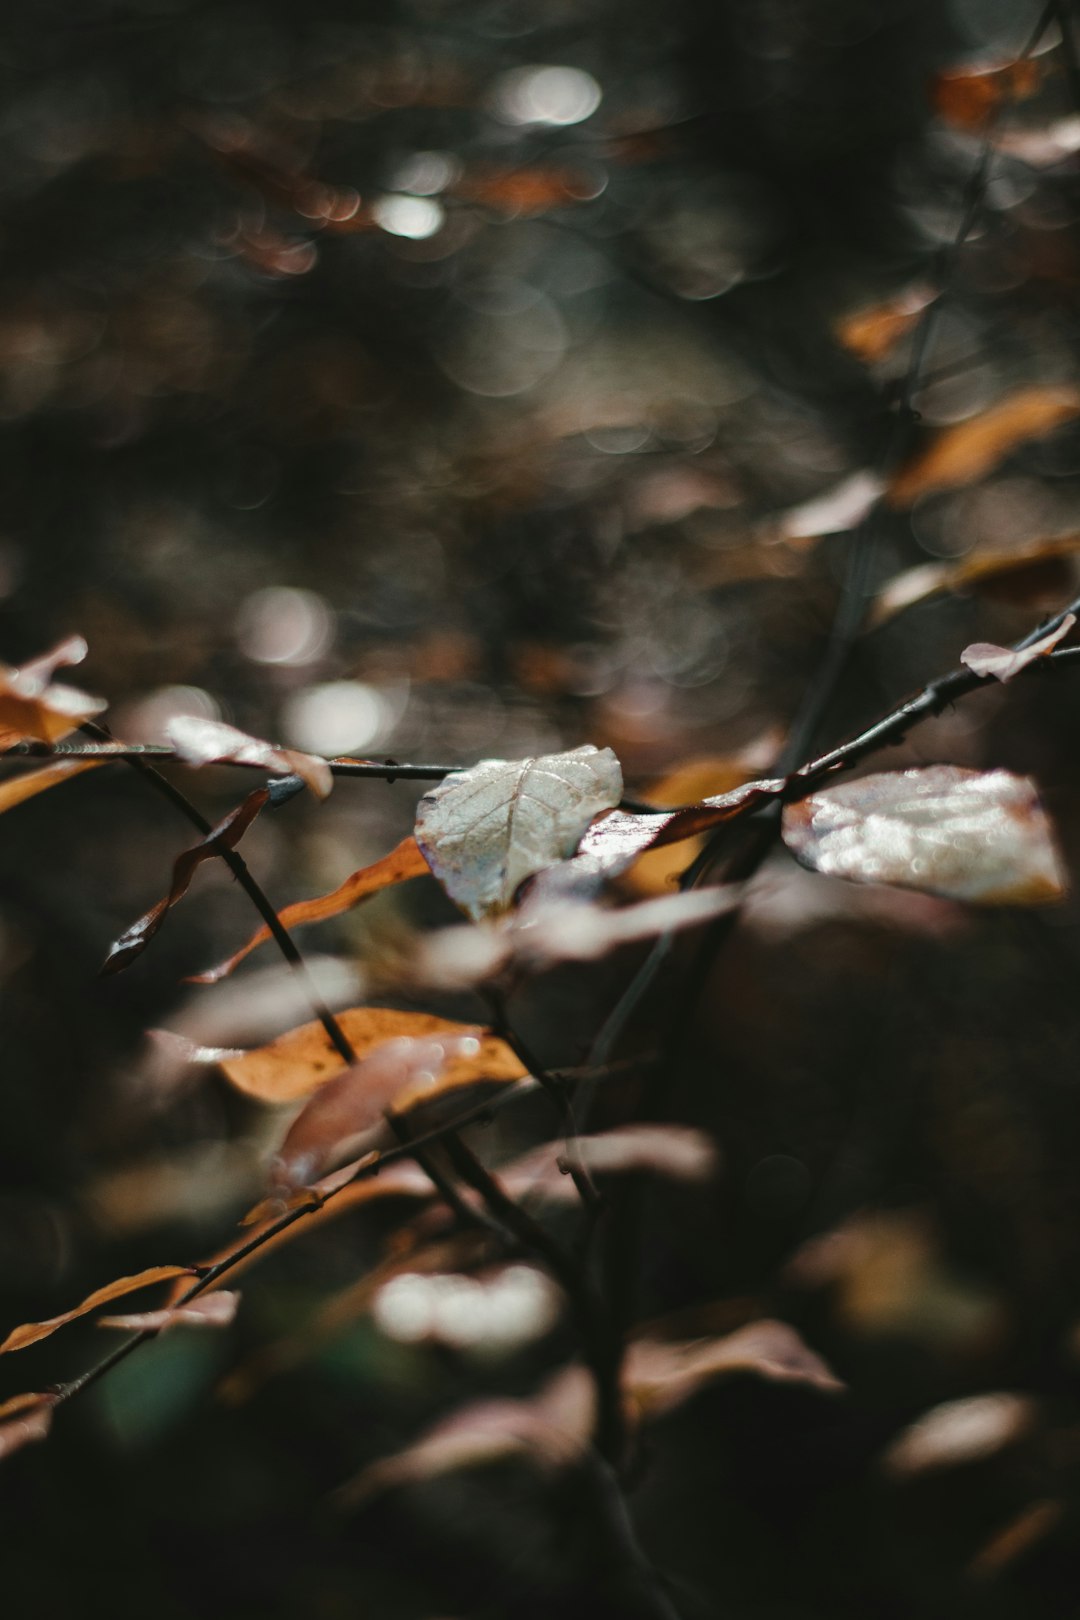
(199, 741)
(980, 836)
(959, 1432)
(485, 830)
(207, 1310)
(985, 658)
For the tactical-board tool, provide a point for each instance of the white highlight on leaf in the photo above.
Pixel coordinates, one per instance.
(485, 830)
(959, 1432)
(980, 836)
(986, 658)
(491, 1315)
(201, 742)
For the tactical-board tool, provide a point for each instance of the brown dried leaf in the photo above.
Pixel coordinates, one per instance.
(34, 707)
(27, 786)
(979, 836)
(959, 1432)
(24, 1419)
(970, 97)
(661, 1374)
(485, 830)
(206, 1310)
(965, 452)
(522, 192)
(978, 569)
(297, 1064)
(872, 333)
(402, 863)
(226, 835)
(31, 1332)
(206, 742)
(984, 658)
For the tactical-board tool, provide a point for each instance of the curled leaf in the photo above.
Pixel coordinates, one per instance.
(403, 862)
(34, 706)
(959, 1432)
(979, 570)
(226, 835)
(31, 1332)
(24, 1419)
(966, 451)
(297, 1064)
(661, 1374)
(27, 786)
(206, 1310)
(485, 830)
(984, 658)
(205, 742)
(980, 836)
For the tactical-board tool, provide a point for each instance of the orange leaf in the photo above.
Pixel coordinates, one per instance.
(31, 1332)
(402, 863)
(31, 783)
(872, 333)
(23, 1419)
(297, 1064)
(978, 570)
(522, 191)
(970, 97)
(965, 452)
(226, 835)
(33, 706)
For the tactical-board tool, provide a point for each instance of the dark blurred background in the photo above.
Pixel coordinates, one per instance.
(445, 379)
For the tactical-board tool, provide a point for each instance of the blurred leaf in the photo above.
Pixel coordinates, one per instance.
(485, 830)
(522, 191)
(34, 707)
(980, 836)
(1023, 1532)
(206, 1310)
(24, 1419)
(677, 1152)
(226, 835)
(970, 97)
(660, 1374)
(965, 452)
(985, 658)
(30, 1332)
(402, 863)
(27, 786)
(204, 742)
(872, 333)
(977, 569)
(959, 1432)
(297, 1064)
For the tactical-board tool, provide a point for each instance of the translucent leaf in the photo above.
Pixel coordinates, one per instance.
(34, 707)
(226, 835)
(206, 1310)
(198, 741)
(403, 862)
(485, 830)
(297, 1064)
(31, 1332)
(965, 452)
(985, 658)
(959, 1432)
(979, 836)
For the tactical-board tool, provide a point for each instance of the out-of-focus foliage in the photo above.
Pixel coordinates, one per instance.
(465, 378)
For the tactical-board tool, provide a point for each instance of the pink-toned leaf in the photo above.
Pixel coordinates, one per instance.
(678, 1152)
(33, 706)
(984, 658)
(841, 508)
(959, 1432)
(30, 1332)
(207, 742)
(17, 789)
(205, 1310)
(23, 1420)
(226, 835)
(402, 863)
(979, 836)
(661, 1374)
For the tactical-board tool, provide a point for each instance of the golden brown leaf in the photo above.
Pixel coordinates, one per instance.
(402, 863)
(27, 786)
(970, 97)
(872, 333)
(34, 707)
(30, 1332)
(977, 571)
(965, 452)
(297, 1064)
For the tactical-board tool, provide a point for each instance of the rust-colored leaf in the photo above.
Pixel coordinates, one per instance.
(959, 1432)
(205, 1310)
(27, 786)
(661, 1374)
(985, 658)
(1018, 1537)
(24, 1419)
(297, 1064)
(521, 192)
(33, 706)
(970, 97)
(968, 450)
(979, 836)
(872, 333)
(979, 571)
(198, 741)
(403, 862)
(226, 835)
(31, 1332)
